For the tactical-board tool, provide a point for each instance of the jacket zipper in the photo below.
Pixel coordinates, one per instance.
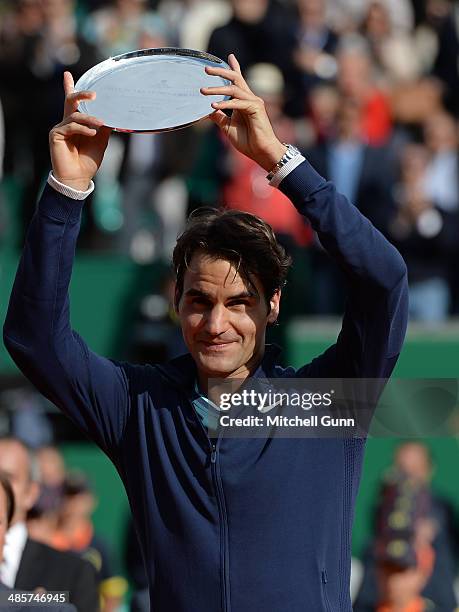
(216, 478)
(224, 556)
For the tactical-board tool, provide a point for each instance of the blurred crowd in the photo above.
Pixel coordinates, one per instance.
(367, 89)
(48, 541)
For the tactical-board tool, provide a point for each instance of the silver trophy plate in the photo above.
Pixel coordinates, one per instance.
(152, 90)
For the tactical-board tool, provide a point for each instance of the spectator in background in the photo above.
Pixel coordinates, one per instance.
(356, 81)
(346, 15)
(446, 67)
(75, 533)
(405, 556)
(28, 564)
(191, 22)
(426, 235)
(442, 182)
(393, 51)
(442, 173)
(7, 509)
(61, 518)
(430, 18)
(263, 32)
(39, 40)
(347, 159)
(125, 25)
(19, 27)
(323, 102)
(43, 517)
(317, 43)
(415, 461)
(415, 537)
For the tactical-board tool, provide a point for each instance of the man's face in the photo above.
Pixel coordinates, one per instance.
(413, 460)
(400, 586)
(354, 72)
(312, 11)
(250, 11)
(440, 132)
(15, 463)
(223, 320)
(51, 466)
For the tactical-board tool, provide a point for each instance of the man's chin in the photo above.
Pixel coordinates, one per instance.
(216, 366)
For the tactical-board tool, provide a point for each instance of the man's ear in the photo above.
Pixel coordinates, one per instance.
(274, 303)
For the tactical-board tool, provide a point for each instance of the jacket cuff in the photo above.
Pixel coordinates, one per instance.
(75, 194)
(301, 182)
(59, 206)
(285, 170)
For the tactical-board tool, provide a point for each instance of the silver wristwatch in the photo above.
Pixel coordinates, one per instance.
(288, 155)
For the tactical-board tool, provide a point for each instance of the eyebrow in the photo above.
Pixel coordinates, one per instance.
(199, 293)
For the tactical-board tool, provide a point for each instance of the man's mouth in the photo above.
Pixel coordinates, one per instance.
(216, 346)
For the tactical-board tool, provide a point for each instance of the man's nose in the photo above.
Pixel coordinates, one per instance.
(216, 320)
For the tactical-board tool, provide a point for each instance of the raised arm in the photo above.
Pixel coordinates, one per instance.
(375, 320)
(92, 390)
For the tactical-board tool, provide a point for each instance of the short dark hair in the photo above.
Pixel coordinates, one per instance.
(10, 504)
(243, 239)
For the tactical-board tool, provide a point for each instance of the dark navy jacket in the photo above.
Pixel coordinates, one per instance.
(256, 525)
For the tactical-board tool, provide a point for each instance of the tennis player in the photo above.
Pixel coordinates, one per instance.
(225, 525)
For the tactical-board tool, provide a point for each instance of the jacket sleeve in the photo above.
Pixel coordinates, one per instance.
(91, 390)
(375, 319)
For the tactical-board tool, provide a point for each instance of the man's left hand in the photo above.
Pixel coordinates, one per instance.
(248, 128)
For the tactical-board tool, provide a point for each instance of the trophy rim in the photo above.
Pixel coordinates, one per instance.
(194, 53)
(89, 79)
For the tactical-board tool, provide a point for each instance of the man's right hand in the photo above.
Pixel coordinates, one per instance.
(77, 144)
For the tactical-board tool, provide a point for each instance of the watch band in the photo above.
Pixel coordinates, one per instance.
(291, 152)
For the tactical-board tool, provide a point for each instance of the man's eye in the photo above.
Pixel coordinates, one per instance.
(239, 303)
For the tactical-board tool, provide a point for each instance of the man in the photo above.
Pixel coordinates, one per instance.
(263, 31)
(226, 524)
(354, 166)
(404, 553)
(28, 564)
(412, 460)
(356, 80)
(7, 508)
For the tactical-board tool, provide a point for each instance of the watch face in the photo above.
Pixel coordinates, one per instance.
(292, 151)
(288, 155)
